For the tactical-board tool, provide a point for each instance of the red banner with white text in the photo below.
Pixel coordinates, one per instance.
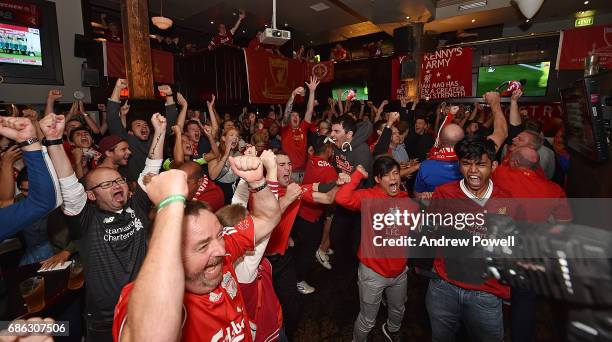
(447, 73)
(114, 63)
(20, 13)
(272, 78)
(324, 71)
(575, 45)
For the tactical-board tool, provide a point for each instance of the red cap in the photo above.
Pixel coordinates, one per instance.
(109, 142)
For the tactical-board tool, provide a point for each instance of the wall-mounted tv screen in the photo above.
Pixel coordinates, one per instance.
(354, 91)
(534, 77)
(20, 45)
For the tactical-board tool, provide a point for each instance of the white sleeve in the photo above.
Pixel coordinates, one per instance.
(241, 194)
(246, 267)
(73, 194)
(56, 184)
(151, 166)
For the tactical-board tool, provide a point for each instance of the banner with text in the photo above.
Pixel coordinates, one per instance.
(575, 45)
(272, 78)
(447, 73)
(324, 71)
(114, 63)
(20, 12)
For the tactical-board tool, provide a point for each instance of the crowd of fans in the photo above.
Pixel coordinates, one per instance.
(210, 228)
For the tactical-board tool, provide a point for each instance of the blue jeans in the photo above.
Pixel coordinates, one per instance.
(448, 306)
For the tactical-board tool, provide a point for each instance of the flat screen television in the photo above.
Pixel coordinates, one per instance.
(534, 75)
(360, 90)
(584, 107)
(20, 45)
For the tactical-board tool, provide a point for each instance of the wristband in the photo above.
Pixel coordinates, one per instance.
(170, 199)
(28, 142)
(259, 188)
(48, 143)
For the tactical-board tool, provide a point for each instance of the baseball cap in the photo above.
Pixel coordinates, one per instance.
(109, 142)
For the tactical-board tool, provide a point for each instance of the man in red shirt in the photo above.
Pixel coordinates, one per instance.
(201, 188)
(450, 301)
(224, 37)
(382, 273)
(294, 133)
(186, 288)
(308, 226)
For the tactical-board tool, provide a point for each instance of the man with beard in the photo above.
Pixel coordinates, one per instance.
(115, 152)
(138, 133)
(476, 303)
(187, 288)
(111, 226)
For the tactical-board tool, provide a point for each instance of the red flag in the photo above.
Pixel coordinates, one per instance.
(324, 71)
(114, 63)
(272, 78)
(447, 73)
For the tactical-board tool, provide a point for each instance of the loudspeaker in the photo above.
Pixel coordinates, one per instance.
(81, 46)
(407, 69)
(403, 41)
(90, 77)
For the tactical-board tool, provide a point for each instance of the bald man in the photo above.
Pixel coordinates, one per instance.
(441, 167)
(202, 188)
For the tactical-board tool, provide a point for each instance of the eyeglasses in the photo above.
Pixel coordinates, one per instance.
(108, 184)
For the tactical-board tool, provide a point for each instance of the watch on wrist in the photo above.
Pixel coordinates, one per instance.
(47, 143)
(28, 142)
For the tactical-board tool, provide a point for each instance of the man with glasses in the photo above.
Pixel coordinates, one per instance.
(112, 226)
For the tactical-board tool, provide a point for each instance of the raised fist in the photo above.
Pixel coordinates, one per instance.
(363, 171)
(393, 118)
(241, 14)
(165, 90)
(180, 99)
(30, 114)
(454, 109)
(247, 167)
(54, 94)
(52, 126)
(268, 159)
(385, 102)
(293, 191)
(176, 129)
(516, 95)
(212, 101)
(102, 107)
(159, 122)
(18, 129)
(492, 98)
(121, 83)
(77, 153)
(168, 183)
(343, 178)
(299, 91)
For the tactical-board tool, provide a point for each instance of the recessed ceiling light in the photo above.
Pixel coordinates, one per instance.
(212, 22)
(286, 24)
(586, 2)
(473, 20)
(319, 7)
(541, 51)
(311, 42)
(243, 31)
(266, 25)
(408, 17)
(527, 20)
(234, 13)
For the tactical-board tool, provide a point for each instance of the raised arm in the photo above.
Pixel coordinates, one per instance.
(289, 106)
(113, 118)
(180, 121)
(41, 197)
(241, 16)
(265, 211)
(91, 123)
(177, 150)
(7, 181)
(156, 151)
(346, 193)
(515, 116)
(103, 123)
(312, 87)
(155, 308)
(214, 123)
(500, 126)
(339, 96)
(52, 96)
(216, 165)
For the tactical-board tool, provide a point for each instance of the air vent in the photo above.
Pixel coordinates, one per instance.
(319, 7)
(472, 5)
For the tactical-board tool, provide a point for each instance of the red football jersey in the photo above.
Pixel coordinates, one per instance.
(318, 170)
(524, 184)
(218, 39)
(349, 197)
(293, 142)
(216, 316)
(494, 205)
(210, 193)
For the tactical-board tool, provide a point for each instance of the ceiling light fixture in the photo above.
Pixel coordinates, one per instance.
(472, 5)
(161, 22)
(408, 17)
(212, 22)
(586, 2)
(473, 20)
(319, 7)
(529, 7)
(526, 20)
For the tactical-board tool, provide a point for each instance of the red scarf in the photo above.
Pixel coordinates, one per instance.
(442, 153)
(201, 187)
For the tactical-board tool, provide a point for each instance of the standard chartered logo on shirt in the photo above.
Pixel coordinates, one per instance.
(123, 233)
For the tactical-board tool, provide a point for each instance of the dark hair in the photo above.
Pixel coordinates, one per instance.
(347, 122)
(192, 208)
(473, 148)
(319, 145)
(421, 117)
(383, 165)
(378, 125)
(190, 122)
(80, 128)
